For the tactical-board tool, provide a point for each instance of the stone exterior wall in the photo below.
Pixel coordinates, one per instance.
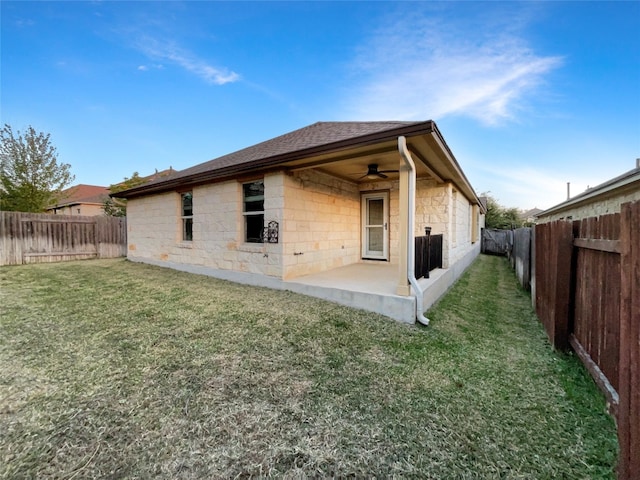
(321, 223)
(600, 205)
(155, 229)
(152, 227)
(432, 207)
(447, 212)
(461, 221)
(319, 219)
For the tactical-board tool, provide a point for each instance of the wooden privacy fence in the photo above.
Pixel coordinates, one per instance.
(496, 241)
(516, 245)
(588, 296)
(435, 251)
(42, 238)
(428, 254)
(520, 255)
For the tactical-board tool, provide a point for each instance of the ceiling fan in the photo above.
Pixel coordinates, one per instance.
(373, 173)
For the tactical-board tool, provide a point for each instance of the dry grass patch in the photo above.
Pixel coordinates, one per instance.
(121, 370)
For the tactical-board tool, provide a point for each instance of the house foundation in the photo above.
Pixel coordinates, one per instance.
(367, 286)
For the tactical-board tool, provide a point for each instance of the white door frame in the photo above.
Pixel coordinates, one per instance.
(367, 229)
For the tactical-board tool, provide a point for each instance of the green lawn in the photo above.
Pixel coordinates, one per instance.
(110, 369)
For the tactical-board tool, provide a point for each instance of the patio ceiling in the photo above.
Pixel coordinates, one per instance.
(431, 156)
(352, 164)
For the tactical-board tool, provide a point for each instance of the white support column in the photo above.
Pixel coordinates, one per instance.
(403, 287)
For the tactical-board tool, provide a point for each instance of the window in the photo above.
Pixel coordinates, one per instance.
(253, 211)
(475, 223)
(187, 216)
(454, 219)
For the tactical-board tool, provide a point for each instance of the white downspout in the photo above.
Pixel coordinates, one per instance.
(411, 245)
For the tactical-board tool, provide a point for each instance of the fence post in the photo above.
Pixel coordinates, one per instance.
(427, 233)
(532, 279)
(521, 256)
(629, 372)
(554, 252)
(563, 301)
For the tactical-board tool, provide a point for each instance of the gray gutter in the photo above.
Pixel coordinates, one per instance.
(411, 245)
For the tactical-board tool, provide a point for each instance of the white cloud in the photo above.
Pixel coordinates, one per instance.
(21, 22)
(431, 67)
(171, 52)
(145, 68)
(527, 187)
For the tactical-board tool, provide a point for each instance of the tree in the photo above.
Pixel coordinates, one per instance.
(117, 207)
(31, 178)
(500, 217)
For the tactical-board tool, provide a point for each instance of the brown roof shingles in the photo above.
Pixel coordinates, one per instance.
(318, 136)
(83, 193)
(320, 133)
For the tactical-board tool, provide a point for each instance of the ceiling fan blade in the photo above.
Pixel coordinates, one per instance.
(373, 172)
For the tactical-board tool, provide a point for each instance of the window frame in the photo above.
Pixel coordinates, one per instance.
(185, 218)
(247, 213)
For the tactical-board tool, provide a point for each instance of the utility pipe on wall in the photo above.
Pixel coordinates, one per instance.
(411, 244)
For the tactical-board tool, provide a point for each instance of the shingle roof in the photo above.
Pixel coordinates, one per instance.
(157, 175)
(320, 136)
(630, 178)
(83, 193)
(531, 213)
(320, 133)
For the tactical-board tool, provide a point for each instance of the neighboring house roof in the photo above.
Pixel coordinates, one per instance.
(82, 194)
(166, 173)
(531, 213)
(319, 140)
(157, 175)
(626, 182)
(484, 201)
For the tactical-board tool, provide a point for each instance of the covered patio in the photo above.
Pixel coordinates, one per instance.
(372, 286)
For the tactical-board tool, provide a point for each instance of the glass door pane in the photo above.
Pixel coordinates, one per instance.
(374, 226)
(375, 220)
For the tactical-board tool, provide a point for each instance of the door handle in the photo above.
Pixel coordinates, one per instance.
(385, 226)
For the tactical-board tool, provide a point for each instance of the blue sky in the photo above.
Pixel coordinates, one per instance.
(528, 95)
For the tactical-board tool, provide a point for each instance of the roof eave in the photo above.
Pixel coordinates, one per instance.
(466, 185)
(620, 183)
(264, 163)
